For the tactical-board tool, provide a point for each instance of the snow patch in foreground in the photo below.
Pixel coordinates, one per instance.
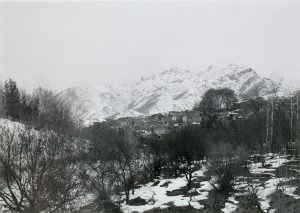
(230, 205)
(156, 196)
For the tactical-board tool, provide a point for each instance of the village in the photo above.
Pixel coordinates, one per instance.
(163, 123)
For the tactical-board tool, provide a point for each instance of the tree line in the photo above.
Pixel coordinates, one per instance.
(42, 109)
(46, 163)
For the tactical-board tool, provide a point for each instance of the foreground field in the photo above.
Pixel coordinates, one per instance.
(269, 188)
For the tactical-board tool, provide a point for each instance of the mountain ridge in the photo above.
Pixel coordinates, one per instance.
(170, 90)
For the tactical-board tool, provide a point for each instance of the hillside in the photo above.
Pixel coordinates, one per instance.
(169, 90)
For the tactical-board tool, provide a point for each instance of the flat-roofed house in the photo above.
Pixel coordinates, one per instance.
(192, 117)
(125, 122)
(176, 116)
(160, 131)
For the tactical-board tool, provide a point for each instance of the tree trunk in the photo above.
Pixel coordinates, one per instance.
(127, 196)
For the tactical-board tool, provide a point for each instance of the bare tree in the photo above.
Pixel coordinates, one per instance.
(36, 172)
(188, 146)
(2, 102)
(224, 162)
(100, 180)
(126, 160)
(55, 112)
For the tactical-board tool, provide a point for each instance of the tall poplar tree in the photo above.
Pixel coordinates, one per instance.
(11, 99)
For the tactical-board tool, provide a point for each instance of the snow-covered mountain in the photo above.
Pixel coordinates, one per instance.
(172, 89)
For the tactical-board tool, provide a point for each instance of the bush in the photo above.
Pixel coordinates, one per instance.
(224, 163)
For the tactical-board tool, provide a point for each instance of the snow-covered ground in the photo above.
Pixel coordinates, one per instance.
(157, 193)
(156, 196)
(265, 188)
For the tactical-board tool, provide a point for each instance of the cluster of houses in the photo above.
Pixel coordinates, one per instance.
(160, 124)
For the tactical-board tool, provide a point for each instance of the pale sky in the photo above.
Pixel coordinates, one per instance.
(63, 44)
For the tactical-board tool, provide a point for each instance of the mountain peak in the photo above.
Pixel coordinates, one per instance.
(173, 89)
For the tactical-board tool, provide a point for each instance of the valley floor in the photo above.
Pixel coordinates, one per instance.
(275, 185)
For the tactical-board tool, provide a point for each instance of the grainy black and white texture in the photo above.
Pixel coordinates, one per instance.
(151, 106)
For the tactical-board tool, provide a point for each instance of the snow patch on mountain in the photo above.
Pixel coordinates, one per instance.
(172, 89)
